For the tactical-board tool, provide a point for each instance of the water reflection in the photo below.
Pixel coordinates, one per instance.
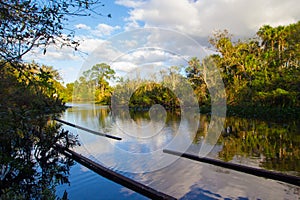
(262, 144)
(251, 142)
(272, 146)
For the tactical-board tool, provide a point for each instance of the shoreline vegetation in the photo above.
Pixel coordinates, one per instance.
(30, 96)
(276, 114)
(261, 76)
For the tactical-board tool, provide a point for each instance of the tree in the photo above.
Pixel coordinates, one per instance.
(68, 92)
(93, 85)
(292, 47)
(196, 75)
(26, 24)
(31, 167)
(262, 70)
(101, 74)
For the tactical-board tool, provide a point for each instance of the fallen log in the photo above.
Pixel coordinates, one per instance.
(294, 180)
(88, 130)
(114, 176)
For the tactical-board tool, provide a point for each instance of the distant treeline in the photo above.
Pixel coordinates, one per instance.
(262, 71)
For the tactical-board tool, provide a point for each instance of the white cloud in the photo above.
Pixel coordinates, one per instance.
(100, 30)
(130, 43)
(201, 18)
(197, 19)
(131, 24)
(104, 30)
(52, 53)
(83, 26)
(123, 66)
(66, 59)
(88, 44)
(130, 3)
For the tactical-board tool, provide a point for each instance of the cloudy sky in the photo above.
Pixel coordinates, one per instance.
(175, 31)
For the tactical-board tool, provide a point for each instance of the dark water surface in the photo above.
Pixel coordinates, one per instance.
(267, 145)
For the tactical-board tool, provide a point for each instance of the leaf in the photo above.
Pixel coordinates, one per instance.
(20, 133)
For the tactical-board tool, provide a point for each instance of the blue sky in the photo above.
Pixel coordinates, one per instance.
(182, 22)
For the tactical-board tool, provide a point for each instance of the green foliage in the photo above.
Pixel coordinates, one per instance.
(149, 94)
(31, 167)
(33, 23)
(276, 146)
(195, 74)
(93, 85)
(67, 93)
(261, 71)
(30, 95)
(143, 93)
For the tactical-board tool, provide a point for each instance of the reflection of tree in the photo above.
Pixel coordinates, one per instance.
(105, 119)
(203, 128)
(278, 147)
(30, 166)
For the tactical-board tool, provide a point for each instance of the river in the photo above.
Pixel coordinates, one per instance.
(261, 144)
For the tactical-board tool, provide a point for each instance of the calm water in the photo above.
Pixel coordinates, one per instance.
(139, 155)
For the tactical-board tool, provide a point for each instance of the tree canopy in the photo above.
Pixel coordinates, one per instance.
(257, 72)
(30, 96)
(93, 85)
(26, 24)
(261, 71)
(31, 167)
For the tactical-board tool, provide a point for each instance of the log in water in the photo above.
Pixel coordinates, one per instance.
(113, 176)
(241, 168)
(88, 130)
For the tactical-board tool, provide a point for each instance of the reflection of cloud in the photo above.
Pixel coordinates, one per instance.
(183, 178)
(127, 192)
(186, 179)
(83, 168)
(94, 146)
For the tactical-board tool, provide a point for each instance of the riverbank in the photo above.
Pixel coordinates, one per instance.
(277, 114)
(259, 112)
(270, 113)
